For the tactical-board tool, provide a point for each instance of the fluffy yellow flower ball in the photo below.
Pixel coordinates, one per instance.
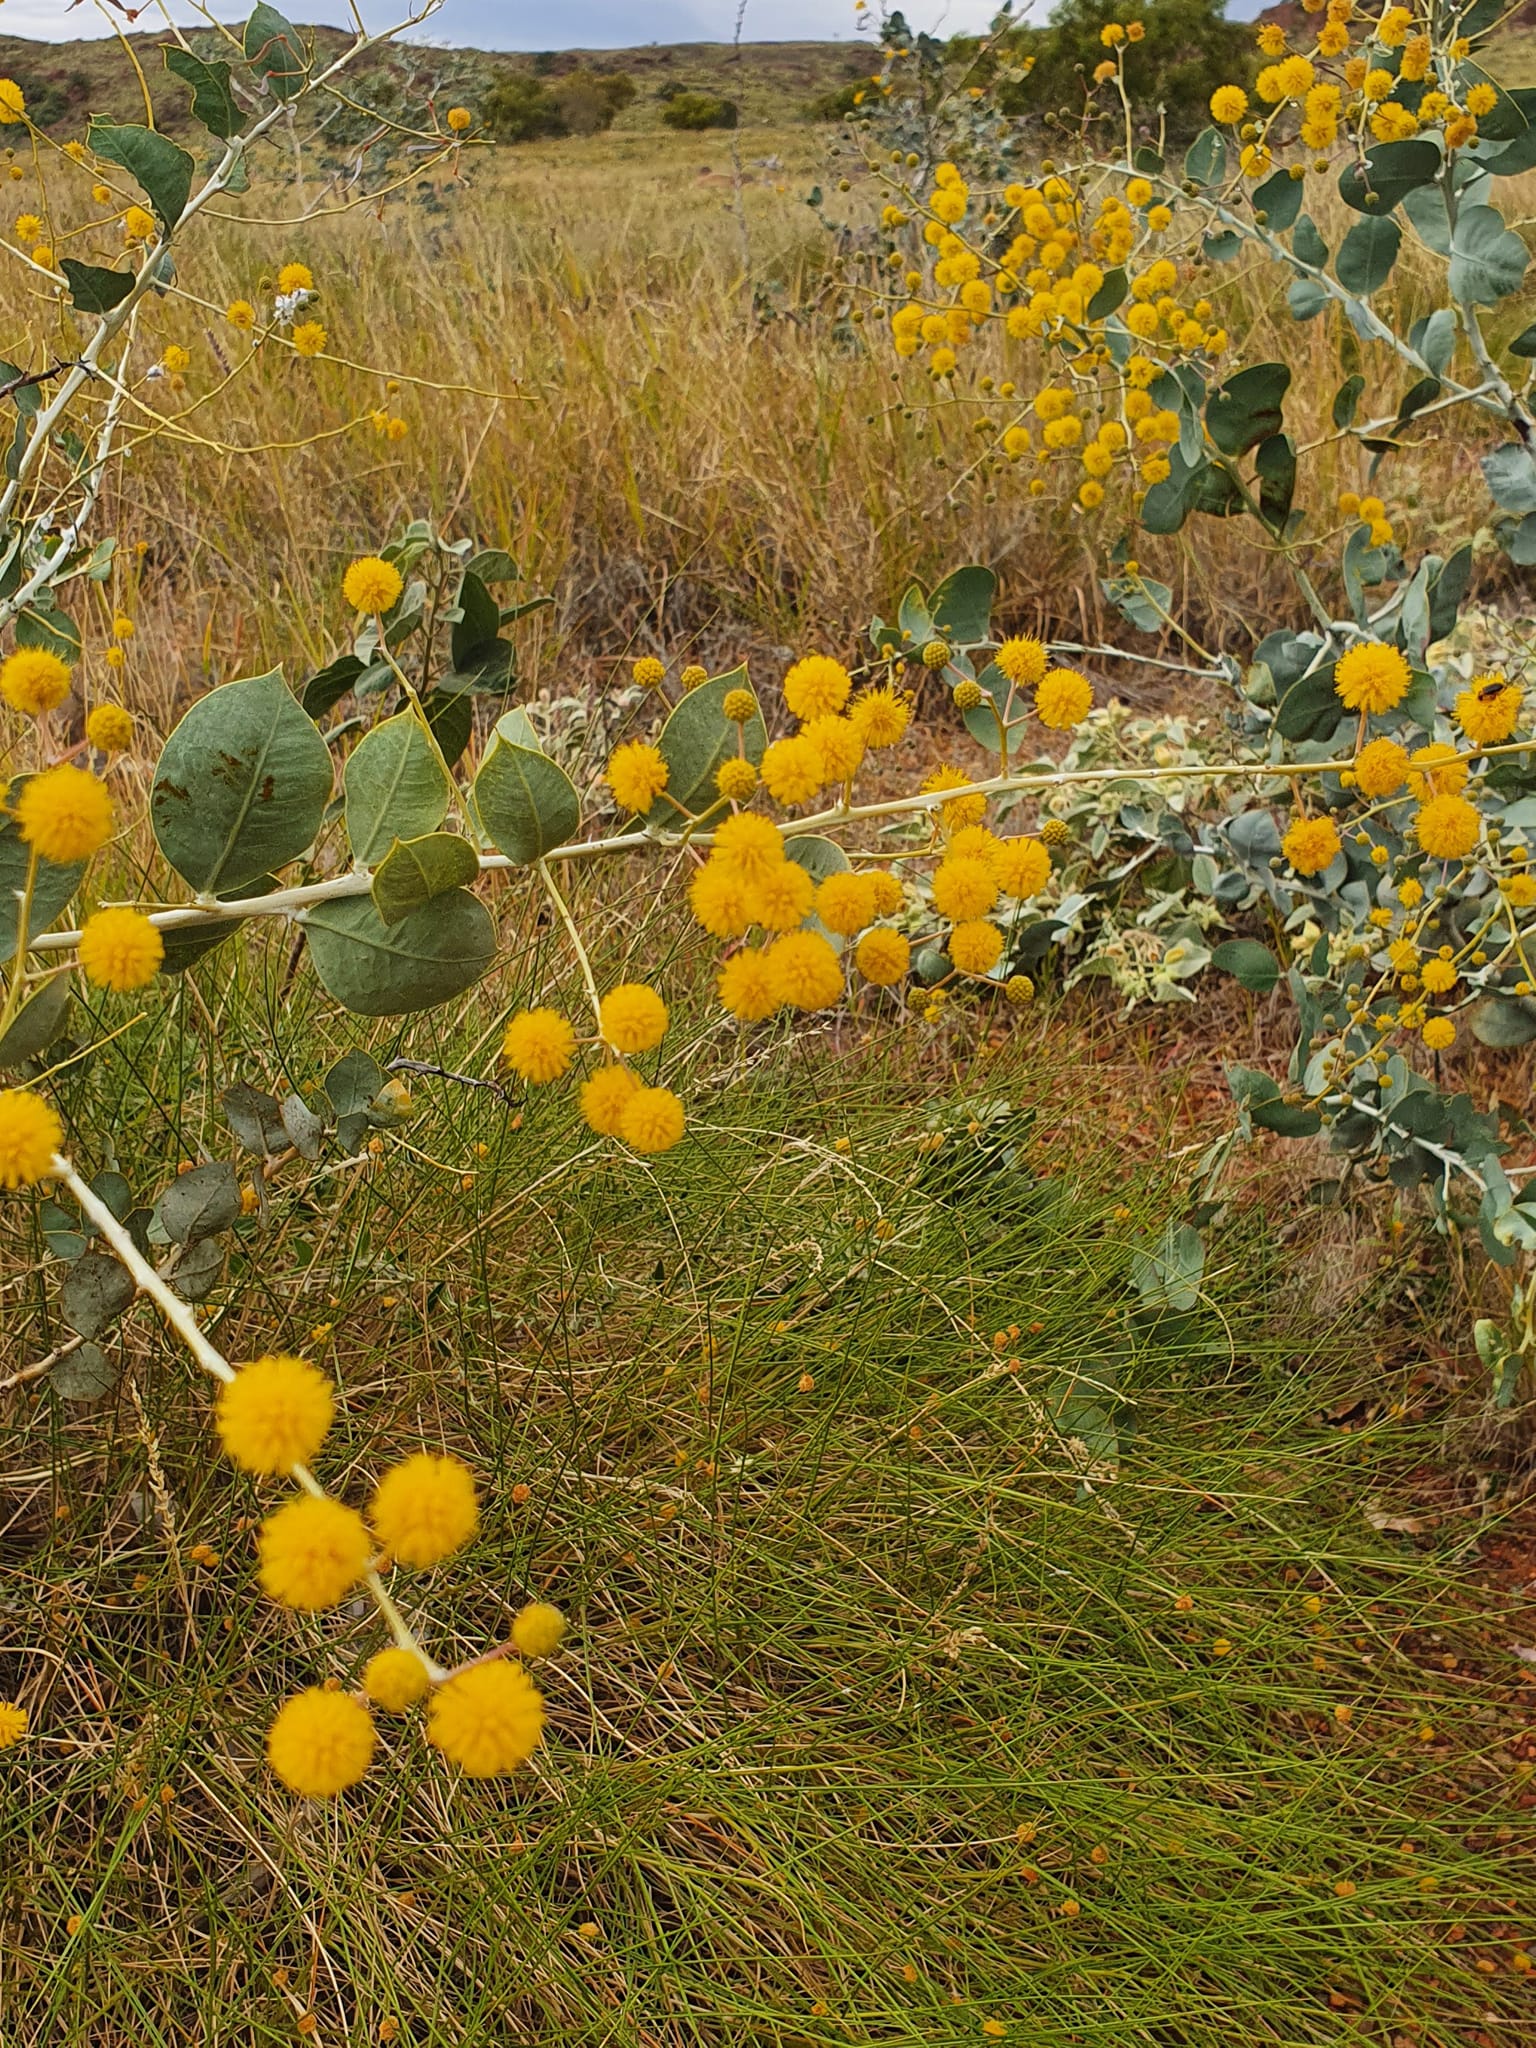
(739, 706)
(736, 779)
(309, 338)
(320, 1743)
(748, 987)
(1371, 677)
(539, 1045)
(840, 745)
(1438, 977)
(295, 277)
(693, 675)
(13, 1724)
(632, 1018)
(807, 973)
(459, 118)
(960, 811)
(649, 673)
(1381, 768)
(487, 1719)
(750, 845)
(120, 950)
(30, 1134)
(817, 686)
(395, 1679)
(845, 903)
(109, 729)
(538, 1630)
(13, 103)
(312, 1552)
(604, 1096)
(1439, 1033)
(34, 680)
(1023, 660)
(1489, 709)
(1436, 770)
(65, 813)
(274, 1414)
(1447, 827)
(372, 584)
(1022, 866)
(975, 946)
(637, 775)
(781, 900)
(883, 956)
(963, 888)
(882, 716)
(1064, 699)
(652, 1120)
(424, 1509)
(792, 769)
(241, 315)
(1311, 845)
(717, 896)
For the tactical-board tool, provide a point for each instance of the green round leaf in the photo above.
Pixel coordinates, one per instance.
(395, 787)
(697, 740)
(416, 870)
(379, 970)
(37, 1023)
(527, 804)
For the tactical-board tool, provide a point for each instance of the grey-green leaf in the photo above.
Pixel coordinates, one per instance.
(254, 1117)
(275, 53)
(213, 103)
(161, 168)
(353, 1083)
(241, 786)
(84, 1374)
(36, 1024)
(1366, 256)
(92, 288)
(1251, 964)
(199, 1203)
(416, 870)
(698, 739)
(395, 787)
(95, 1290)
(196, 1270)
(379, 970)
(1488, 260)
(527, 804)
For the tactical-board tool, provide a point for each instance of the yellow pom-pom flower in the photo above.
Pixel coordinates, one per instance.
(320, 1743)
(13, 1724)
(295, 277)
(807, 973)
(309, 338)
(1064, 699)
(960, 811)
(1437, 770)
(120, 950)
(888, 892)
(34, 680)
(1447, 827)
(782, 899)
(1311, 844)
(109, 729)
(65, 813)
(792, 769)
(963, 888)
(424, 1509)
(603, 1097)
(817, 686)
(748, 987)
(1229, 103)
(13, 103)
(1022, 866)
(274, 1414)
(648, 672)
(1023, 660)
(1381, 768)
(372, 585)
(1439, 1033)
(459, 118)
(313, 1552)
(538, 1629)
(882, 716)
(693, 675)
(840, 745)
(1438, 977)
(975, 946)
(845, 903)
(539, 1045)
(637, 775)
(717, 895)
(750, 845)
(487, 1719)
(241, 315)
(395, 1679)
(883, 956)
(30, 1134)
(632, 1018)
(652, 1120)
(736, 779)
(1371, 677)
(1489, 709)
(739, 706)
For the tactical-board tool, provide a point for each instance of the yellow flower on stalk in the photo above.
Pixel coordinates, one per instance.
(274, 1414)
(792, 770)
(1438, 1034)
(1381, 768)
(736, 779)
(120, 950)
(1311, 845)
(35, 680)
(881, 715)
(309, 338)
(603, 1098)
(961, 810)
(1064, 699)
(175, 359)
(782, 899)
(1437, 770)
(320, 1743)
(1447, 827)
(632, 1018)
(13, 1724)
(295, 277)
(717, 896)
(845, 903)
(1489, 708)
(30, 1134)
(652, 1120)
(372, 584)
(975, 946)
(649, 673)
(883, 956)
(817, 686)
(1482, 98)
(395, 1679)
(636, 774)
(241, 315)
(807, 973)
(1022, 867)
(13, 103)
(749, 844)
(539, 1045)
(747, 986)
(1023, 660)
(963, 889)
(138, 226)
(459, 118)
(28, 228)
(538, 1629)
(65, 813)
(1371, 677)
(313, 1552)
(1438, 977)
(739, 706)
(839, 744)
(487, 1719)
(424, 1509)
(1229, 103)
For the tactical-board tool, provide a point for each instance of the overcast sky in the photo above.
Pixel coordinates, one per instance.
(535, 25)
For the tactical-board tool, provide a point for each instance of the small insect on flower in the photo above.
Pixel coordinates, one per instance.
(120, 950)
(372, 585)
(320, 1743)
(1488, 711)
(34, 680)
(65, 813)
(395, 1679)
(424, 1509)
(539, 1045)
(313, 1552)
(487, 1719)
(274, 1414)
